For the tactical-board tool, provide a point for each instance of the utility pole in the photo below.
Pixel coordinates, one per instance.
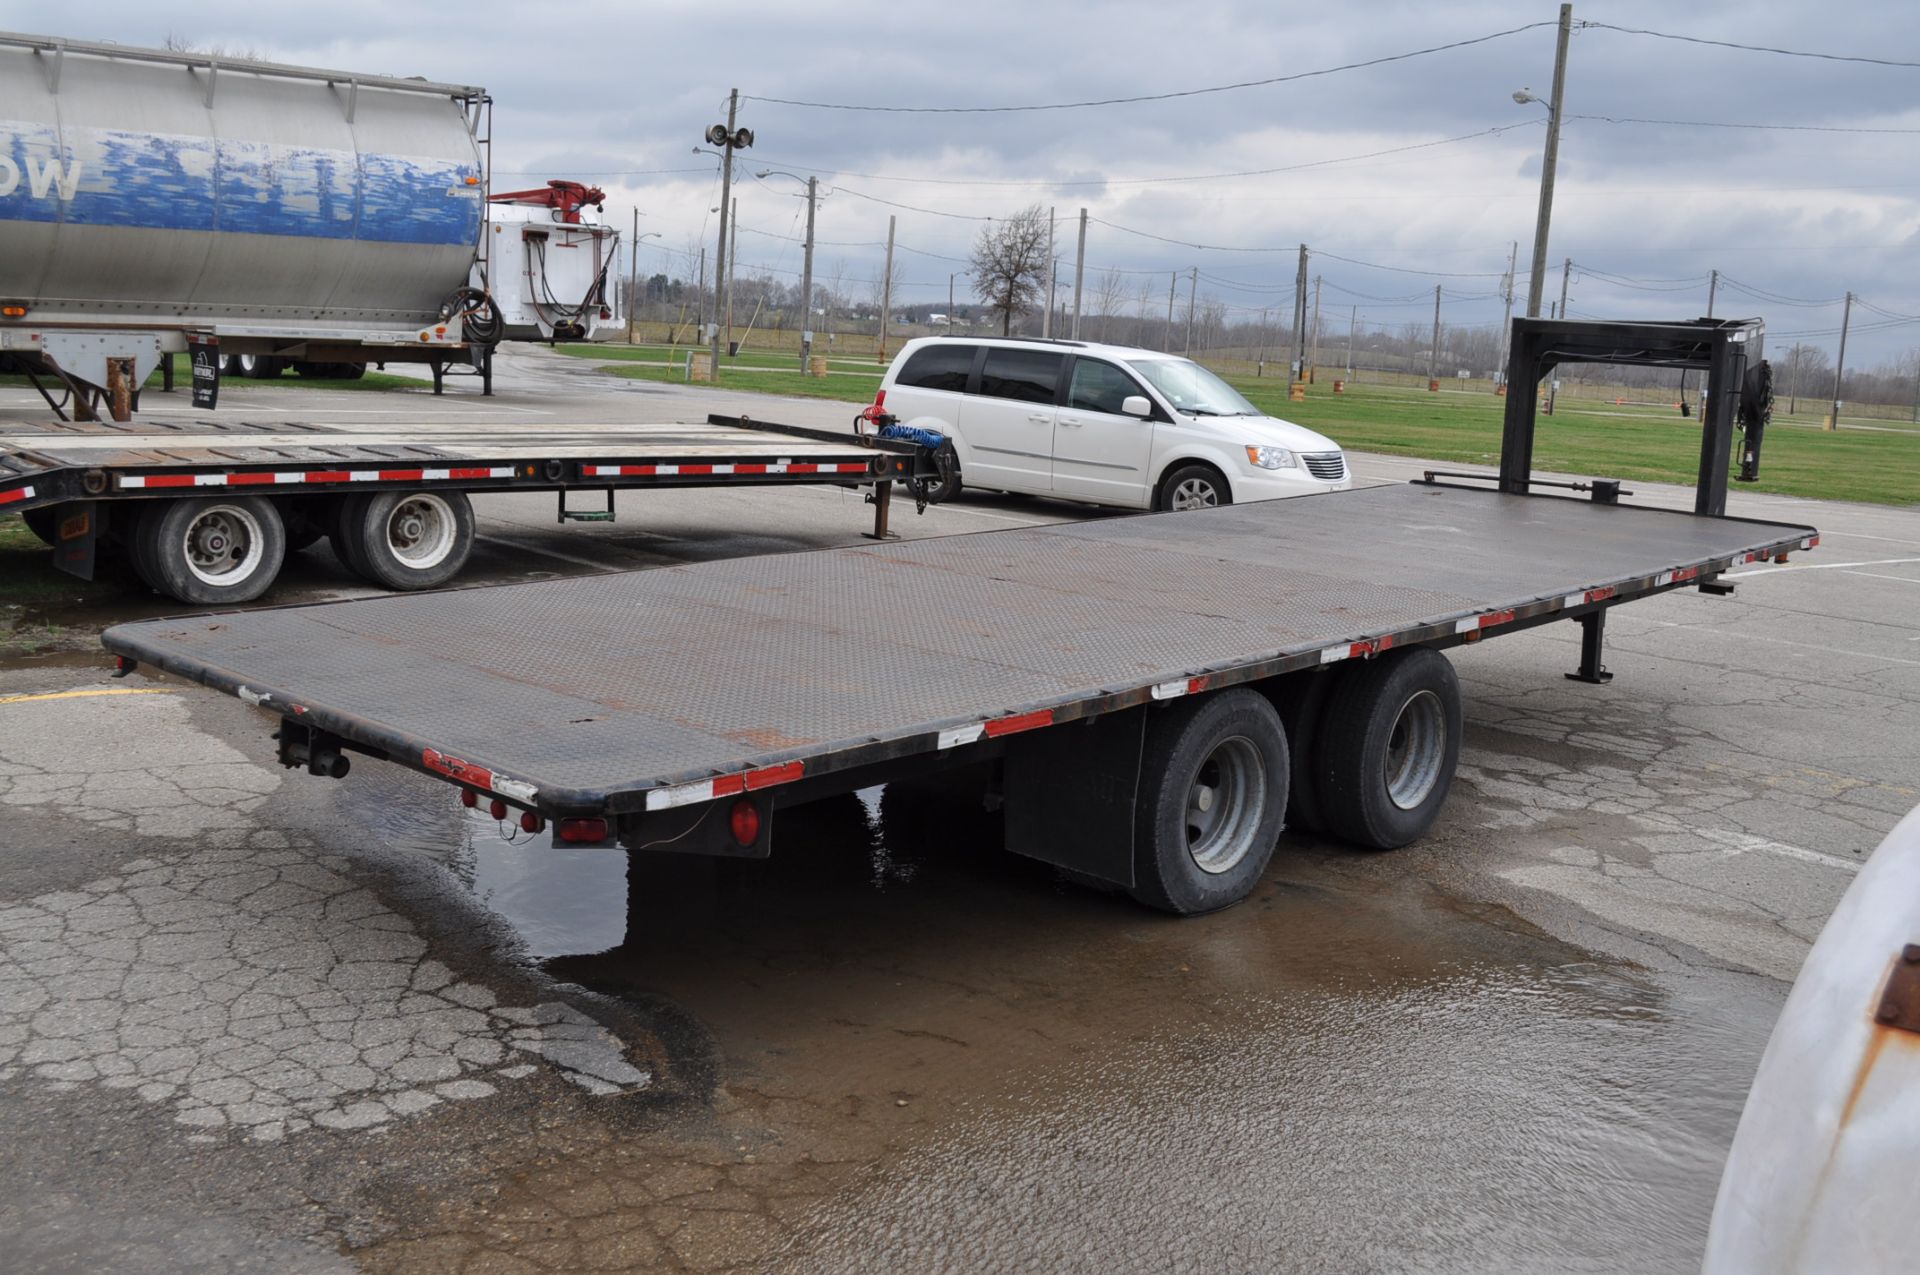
(1566, 275)
(950, 302)
(1353, 318)
(1538, 277)
(700, 288)
(1506, 317)
(633, 284)
(1840, 361)
(806, 282)
(1193, 296)
(726, 141)
(1173, 281)
(1433, 355)
(733, 259)
(1260, 355)
(1713, 286)
(1046, 320)
(1300, 318)
(886, 293)
(1079, 275)
(1313, 360)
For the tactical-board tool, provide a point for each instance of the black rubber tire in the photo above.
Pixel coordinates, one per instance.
(43, 522)
(349, 371)
(363, 539)
(161, 555)
(260, 367)
(1163, 498)
(1301, 700)
(139, 537)
(1181, 738)
(1355, 735)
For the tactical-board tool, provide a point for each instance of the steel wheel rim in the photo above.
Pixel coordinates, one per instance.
(222, 545)
(1224, 800)
(1416, 748)
(420, 532)
(1195, 493)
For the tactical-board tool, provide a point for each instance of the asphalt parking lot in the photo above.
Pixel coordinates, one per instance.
(251, 1019)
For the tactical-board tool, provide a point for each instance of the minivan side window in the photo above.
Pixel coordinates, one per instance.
(1030, 376)
(938, 367)
(1099, 387)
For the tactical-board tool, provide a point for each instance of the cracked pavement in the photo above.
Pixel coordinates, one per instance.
(252, 1020)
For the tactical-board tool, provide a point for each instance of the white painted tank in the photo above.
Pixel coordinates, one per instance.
(139, 186)
(1824, 1174)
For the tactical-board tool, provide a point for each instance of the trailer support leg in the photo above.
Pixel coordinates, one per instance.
(439, 376)
(881, 498)
(1593, 639)
(486, 373)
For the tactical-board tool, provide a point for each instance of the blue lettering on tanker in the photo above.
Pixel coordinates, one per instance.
(103, 177)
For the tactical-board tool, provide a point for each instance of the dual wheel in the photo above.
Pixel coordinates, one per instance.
(1372, 764)
(224, 550)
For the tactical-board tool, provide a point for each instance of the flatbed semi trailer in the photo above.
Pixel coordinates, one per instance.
(1158, 693)
(207, 513)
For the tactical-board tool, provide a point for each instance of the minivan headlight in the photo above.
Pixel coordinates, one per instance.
(1270, 457)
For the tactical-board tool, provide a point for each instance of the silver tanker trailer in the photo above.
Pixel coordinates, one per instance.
(264, 216)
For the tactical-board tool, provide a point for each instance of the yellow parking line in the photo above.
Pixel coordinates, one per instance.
(110, 690)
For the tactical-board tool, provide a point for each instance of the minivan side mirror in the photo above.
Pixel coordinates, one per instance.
(1136, 405)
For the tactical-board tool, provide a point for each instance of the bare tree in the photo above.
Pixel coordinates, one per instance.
(1108, 291)
(182, 44)
(1010, 264)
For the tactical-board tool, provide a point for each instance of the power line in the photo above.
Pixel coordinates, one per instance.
(1750, 48)
(1763, 295)
(1781, 128)
(1148, 97)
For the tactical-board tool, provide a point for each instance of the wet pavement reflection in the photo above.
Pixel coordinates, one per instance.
(899, 1047)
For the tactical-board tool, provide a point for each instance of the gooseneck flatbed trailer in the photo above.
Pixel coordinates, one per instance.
(1158, 692)
(207, 513)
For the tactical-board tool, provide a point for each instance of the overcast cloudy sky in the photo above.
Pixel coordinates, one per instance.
(619, 94)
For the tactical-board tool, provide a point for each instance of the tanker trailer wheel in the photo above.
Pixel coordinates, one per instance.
(211, 551)
(406, 539)
(1389, 744)
(259, 367)
(1213, 789)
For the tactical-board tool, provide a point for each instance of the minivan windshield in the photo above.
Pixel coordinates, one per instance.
(1192, 389)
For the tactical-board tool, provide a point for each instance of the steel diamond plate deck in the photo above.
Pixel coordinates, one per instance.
(611, 685)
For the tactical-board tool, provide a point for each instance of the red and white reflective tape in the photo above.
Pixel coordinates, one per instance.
(1591, 595)
(1810, 542)
(1474, 623)
(995, 727)
(1180, 686)
(17, 494)
(733, 467)
(301, 477)
(467, 772)
(1675, 576)
(1360, 650)
(725, 786)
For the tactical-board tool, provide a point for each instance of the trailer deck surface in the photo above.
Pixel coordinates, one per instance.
(595, 690)
(38, 452)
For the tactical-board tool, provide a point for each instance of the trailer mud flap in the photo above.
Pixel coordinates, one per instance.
(1070, 794)
(76, 536)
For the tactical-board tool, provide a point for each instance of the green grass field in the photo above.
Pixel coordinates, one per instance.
(1875, 461)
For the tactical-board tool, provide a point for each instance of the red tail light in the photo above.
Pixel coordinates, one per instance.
(469, 798)
(745, 822)
(498, 809)
(582, 831)
(530, 822)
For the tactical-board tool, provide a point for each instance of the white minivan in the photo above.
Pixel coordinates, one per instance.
(1106, 424)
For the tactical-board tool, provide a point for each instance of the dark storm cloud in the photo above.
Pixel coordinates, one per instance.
(618, 93)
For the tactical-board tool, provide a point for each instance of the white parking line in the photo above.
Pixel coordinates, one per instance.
(1820, 566)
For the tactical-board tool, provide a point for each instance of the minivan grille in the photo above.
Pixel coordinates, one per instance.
(1328, 467)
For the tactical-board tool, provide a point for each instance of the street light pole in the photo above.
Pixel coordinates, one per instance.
(1537, 280)
(633, 283)
(722, 273)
